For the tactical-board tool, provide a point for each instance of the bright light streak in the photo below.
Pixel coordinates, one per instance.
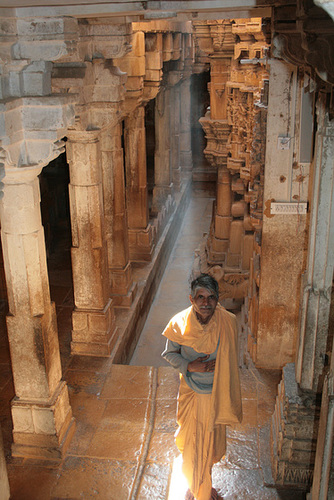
(178, 484)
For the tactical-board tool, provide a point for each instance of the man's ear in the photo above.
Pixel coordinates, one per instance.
(191, 299)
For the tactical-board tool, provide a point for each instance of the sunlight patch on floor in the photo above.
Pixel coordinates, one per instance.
(178, 484)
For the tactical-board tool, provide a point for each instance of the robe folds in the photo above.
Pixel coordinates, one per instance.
(206, 402)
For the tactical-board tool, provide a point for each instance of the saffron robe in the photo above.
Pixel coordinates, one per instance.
(207, 402)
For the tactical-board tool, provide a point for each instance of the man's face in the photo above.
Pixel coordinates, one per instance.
(204, 304)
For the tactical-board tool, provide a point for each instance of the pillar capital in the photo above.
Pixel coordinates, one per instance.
(21, 175)
(215, 37)
(103, 36)
(101, 97)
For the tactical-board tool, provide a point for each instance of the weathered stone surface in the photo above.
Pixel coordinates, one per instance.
(296, 414)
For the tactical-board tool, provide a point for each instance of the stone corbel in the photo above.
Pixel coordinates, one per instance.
(133, 64)
(153, 65)
(43, 39)
(101, 97)
(103, 38)
(33, 128)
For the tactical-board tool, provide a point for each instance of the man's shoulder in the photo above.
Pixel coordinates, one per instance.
(181, 316)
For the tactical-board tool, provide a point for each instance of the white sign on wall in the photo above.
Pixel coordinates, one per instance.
(283, 142)
(284, 208)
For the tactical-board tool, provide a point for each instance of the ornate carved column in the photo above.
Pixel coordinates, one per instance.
(42, 416)
(141, 233)
(162, 168)
(93, 318)
(186, 160)
(122, 287)
(217, 129)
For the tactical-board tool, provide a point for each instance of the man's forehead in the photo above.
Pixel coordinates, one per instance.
(201, 289)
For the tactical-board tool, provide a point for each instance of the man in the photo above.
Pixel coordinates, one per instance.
(202, 346)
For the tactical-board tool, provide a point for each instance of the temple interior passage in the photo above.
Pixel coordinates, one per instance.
(123, 446)
(141, 145)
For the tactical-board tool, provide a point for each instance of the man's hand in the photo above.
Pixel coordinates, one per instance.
(200, 365)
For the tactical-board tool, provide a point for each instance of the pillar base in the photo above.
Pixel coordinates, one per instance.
(216, 250)
(177, 178)
(125, 300)
(161, 195)
(186, 161)
(163, 216)
(294, 433)
(94, 332)
(123, 290)
(43, 430)
(142, 243)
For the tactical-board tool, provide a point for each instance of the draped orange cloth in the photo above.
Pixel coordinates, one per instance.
(202, 417)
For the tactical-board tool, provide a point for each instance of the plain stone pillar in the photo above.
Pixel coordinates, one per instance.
(175, 136)
(93, 318)
(162, 166)
(141, 235)
(42, 416)
(186, 159)
(223, 212)
(317, 286)
(120, 270)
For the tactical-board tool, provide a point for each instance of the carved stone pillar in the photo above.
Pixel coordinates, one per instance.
(317, 286)
(42, 416)
(175, 136)
(122, 287)
(93, 318)
(141, 234)
(186, 160)
(222, 221)
(162, 167)
(216, 39)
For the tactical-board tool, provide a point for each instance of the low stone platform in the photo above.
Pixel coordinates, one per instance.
(124, 447)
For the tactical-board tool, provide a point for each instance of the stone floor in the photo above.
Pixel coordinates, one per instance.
(123, 447)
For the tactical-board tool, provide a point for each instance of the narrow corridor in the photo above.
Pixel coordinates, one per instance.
(173, 292)
(123, 447)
